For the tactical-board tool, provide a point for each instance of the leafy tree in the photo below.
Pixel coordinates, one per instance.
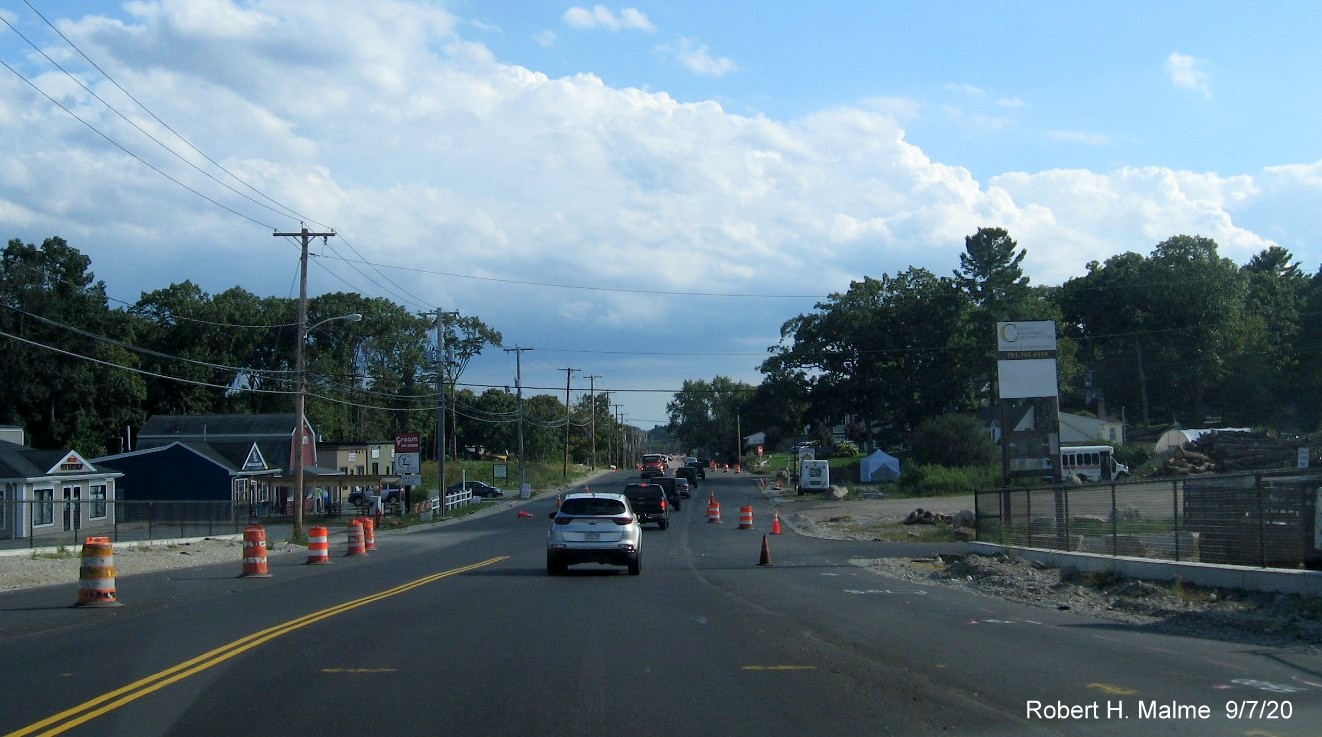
(1260, 383)
(888, 349)
(705, 414)
(464, 338)
(953, 440)
(62, 378)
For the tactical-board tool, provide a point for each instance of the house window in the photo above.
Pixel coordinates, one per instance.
(98, 497)
(43, 507)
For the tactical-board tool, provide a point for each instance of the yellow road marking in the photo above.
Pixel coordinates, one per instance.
(1112, 689)
(89, 710)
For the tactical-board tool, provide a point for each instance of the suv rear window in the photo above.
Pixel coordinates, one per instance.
(644, 491)
(587, 507)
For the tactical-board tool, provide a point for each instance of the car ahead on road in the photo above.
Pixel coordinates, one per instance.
(479, 488)
(672, 490)
(699, 467)
(654, 464)
(689, 474)
(648, 501)
(682, 488)
(594, 528)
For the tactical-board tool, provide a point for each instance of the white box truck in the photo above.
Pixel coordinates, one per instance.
(814, 476)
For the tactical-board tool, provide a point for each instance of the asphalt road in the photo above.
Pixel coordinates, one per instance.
(457, 630)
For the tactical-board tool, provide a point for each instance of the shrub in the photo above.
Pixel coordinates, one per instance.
(845, 449)
(931, 480)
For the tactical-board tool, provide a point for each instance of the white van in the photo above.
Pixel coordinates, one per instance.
(1091, 463)
(814, 476)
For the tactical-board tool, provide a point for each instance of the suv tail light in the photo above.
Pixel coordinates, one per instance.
(559, 520)
(621, 521)
(663, 503)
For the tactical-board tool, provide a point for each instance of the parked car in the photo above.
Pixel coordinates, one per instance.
(479, 488)
(648, 501)
(363, 497)
(594, 528)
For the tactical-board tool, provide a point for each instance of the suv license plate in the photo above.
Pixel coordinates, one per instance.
(594, 536)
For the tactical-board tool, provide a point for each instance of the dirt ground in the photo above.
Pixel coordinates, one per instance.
(860, 517)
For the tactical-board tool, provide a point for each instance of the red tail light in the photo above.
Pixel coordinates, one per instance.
(663, 504)
(563, 520)
(621, 521)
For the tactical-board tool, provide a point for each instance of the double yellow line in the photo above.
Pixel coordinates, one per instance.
(89, 710)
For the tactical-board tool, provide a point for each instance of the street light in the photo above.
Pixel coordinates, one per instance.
(300, 407)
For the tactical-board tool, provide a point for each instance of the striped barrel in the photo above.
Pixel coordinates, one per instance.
(254, 552)
(356, 545)
(369, 534)
(746, 517)
(96, 575)
(713, 510)
(318, 545)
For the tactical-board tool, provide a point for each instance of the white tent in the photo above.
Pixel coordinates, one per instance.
(1172, 439)
(880, 466)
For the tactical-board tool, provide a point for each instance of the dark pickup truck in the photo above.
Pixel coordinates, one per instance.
(672, 491)
(649, 503)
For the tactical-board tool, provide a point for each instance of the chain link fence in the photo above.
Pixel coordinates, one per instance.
(1267, 520)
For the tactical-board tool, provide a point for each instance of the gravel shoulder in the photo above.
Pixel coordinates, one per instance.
(1277, 620)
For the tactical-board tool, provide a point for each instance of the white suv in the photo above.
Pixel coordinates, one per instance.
(594, 528)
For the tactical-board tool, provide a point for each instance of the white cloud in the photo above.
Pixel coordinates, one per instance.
(1186, 72)
(698, 59)
(600, 16)
(430, 155)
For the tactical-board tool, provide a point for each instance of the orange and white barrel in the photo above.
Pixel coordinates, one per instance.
(369, 534)
(356, 545)
(318, 545)
(96, 575)
(713, 510)
(746, 517)
(254, 552)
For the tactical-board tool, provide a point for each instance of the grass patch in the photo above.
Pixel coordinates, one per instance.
(60, 553)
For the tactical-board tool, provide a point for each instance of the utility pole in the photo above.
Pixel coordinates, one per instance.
(300, 370)
(564, 472)
(524, 491)
(610, 443)
(619, 419)
(592, 400)
(442, 362)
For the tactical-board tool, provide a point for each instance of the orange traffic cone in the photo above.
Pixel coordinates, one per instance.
(775, 523)
(524, 513)
(765, 559)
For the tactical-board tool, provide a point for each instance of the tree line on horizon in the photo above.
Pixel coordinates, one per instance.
(1181, 336)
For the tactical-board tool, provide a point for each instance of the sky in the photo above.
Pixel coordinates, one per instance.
(645, 193)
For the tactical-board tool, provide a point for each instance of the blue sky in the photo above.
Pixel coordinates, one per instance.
(589, 179)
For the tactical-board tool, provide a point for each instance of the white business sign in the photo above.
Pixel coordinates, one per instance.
(1026, 359)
